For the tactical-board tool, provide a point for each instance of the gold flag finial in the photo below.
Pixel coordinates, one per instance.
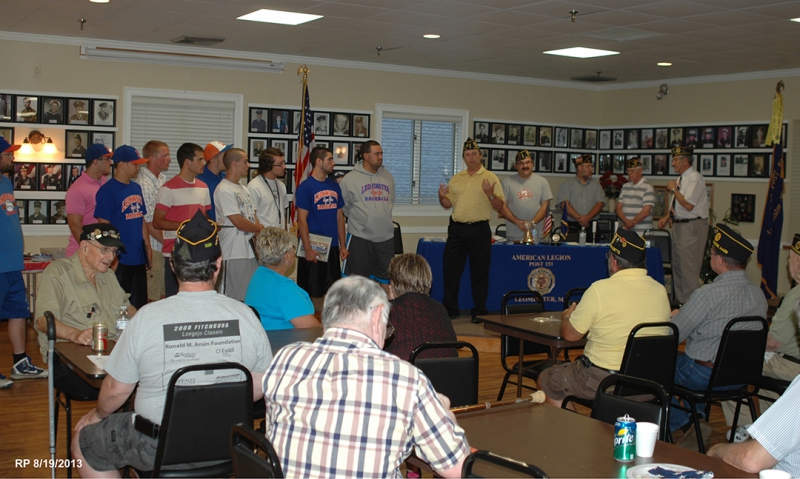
(304, 70)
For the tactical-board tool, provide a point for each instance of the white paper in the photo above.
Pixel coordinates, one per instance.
(99, 360)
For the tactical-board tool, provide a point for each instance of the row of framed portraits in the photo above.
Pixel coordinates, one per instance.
(743, 165)
(325, 123)
(45, 176)
(345, 153)
(699, 137)
(42, 212)
(57, 110)
(75, 141)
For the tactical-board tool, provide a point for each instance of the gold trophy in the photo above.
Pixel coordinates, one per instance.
(528, 239)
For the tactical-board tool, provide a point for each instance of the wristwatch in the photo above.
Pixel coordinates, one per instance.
(491, 197)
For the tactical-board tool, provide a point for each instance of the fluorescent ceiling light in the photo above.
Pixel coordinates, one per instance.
(276, 16)
(664, 64)
(581, 52)
(99, 1)
(796, 19)
(432, 36)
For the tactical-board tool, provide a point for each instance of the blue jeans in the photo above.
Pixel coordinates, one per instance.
(692, 376)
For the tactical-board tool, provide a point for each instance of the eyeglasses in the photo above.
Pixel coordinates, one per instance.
(389, 330)
(105, 251)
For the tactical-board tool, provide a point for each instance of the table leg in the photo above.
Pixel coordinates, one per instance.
(553, 354)
(519, 366)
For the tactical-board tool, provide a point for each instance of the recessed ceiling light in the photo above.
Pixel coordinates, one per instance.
(99, 1)
(796, 19)
(277, 16)
(432, 36)
(581, 52)
(664, 64)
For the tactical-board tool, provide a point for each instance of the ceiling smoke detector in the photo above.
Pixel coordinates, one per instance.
(594, 78)
(202, 41)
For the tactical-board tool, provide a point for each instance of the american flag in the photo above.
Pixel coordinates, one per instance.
(548, 225)
(304, 144)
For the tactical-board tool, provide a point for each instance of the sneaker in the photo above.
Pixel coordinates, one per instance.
(25, 370)
(5, 383)
(741, 434)
(689, 439)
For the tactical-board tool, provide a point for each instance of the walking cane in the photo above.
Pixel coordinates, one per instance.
(51, 341)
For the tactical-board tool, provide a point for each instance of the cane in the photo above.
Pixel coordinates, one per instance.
(51, 346)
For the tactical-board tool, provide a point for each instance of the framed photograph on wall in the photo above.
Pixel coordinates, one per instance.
(605, 139)
(710, 194)
(361, 125)
(742, 136)
(297, 121)
(255, 147)
(282, 145)
(323, 144)
(38, 212)
(341, 153)
(58, 212)
(341, 124)
(27, 109)
(356, 151)
(724, 165)
(659, 164)
(545, 136)
(741, 165)
(51, 177)
(252, 173)
(322, 123)
(661, 138)
(647, 164)
(692, 136)
(632, 139)
(590, 139)
(759, 165)
(545, 161)
(481, 132)
(498, 160)
(575, 138)
(619, 164)
(511, 160)
(78, 111)
(499, 133)
(8, 134)
(258, 120)
(743, 207)
(605, 163)
(571, 162)
(758, 137)
(484, 158)
(619, 140)
(707, 164)
(514, 135)
(707, 137)
(73, 174)
(53, 110)
(5, 107)
(529, 135)
(104, 137)
(279, 121)
(104, 111)
(561, 137)
(724, 137)
(75, 143)
(561, 162)
(647, 141)
(21, 207)
(662, 202)
(675, 137)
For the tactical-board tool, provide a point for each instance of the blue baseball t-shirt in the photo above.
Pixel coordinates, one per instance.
(322, 200)
(123, 206)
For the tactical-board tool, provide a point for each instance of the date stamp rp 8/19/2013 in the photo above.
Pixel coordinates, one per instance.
(47, 463)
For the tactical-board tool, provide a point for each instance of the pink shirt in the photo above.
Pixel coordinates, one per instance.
(81, 201)
(181, 200)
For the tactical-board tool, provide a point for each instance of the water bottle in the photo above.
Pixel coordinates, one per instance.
(534, 233)
(582, 237)
(122, 320)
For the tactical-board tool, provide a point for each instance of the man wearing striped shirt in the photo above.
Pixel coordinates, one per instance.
(178, 200)
(343, 407)
(636, 199)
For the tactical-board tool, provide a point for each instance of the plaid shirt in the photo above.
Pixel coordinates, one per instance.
(342, 407)
(150, 185)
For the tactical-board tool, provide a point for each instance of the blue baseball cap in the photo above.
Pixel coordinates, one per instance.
(129, 154)
(6, 146)
(97, 151)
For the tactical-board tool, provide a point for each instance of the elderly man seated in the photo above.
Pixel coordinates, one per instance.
(342, 407)
(106, 441)
(79, 291)
(608, 311)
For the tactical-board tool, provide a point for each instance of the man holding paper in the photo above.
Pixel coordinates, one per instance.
(319, 212)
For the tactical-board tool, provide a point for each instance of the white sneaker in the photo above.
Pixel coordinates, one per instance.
(5, 383)
(741, 434)
(24, 369)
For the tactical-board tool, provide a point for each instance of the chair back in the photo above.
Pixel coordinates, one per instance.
(493, 465)
(520, 302)
(608, 406)
(398, 238)
(651, 357)
(198, 418)
(253, 455)
(456, 378)
(740, 356)
(661, 239)
(500, 230)
(573, 296)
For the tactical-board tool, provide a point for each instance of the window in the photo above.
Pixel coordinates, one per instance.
(178, 117)
(422, 149)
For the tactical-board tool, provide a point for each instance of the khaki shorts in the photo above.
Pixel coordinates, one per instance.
(114, 443)
(155, 277)
(571, 379)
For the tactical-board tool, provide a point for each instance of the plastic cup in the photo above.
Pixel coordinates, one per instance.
(774, 474)
(646, 435)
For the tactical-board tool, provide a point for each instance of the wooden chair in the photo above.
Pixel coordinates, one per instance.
(253, 455)
(456, 378)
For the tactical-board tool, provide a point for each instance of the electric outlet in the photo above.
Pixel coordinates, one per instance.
(37, 72)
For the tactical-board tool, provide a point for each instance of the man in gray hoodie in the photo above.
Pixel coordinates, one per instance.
(368, 193)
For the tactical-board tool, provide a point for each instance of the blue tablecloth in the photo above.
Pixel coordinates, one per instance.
(552, 270)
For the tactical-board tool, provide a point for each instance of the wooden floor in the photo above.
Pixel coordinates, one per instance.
(24, 428)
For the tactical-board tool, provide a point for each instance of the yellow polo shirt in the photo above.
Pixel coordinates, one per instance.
(470, 203)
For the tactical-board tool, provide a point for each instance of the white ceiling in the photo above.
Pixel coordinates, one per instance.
(501, 37)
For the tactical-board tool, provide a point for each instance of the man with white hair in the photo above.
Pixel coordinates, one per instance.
(314, 391)
(636, 199)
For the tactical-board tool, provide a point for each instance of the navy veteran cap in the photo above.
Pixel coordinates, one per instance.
(471, 144)
(104, 233)
(796, 243)
(198, 239)
(731, 243)
(634, 162)
(629, 246)
(584, 158)
(522, 155)
(682, 151)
